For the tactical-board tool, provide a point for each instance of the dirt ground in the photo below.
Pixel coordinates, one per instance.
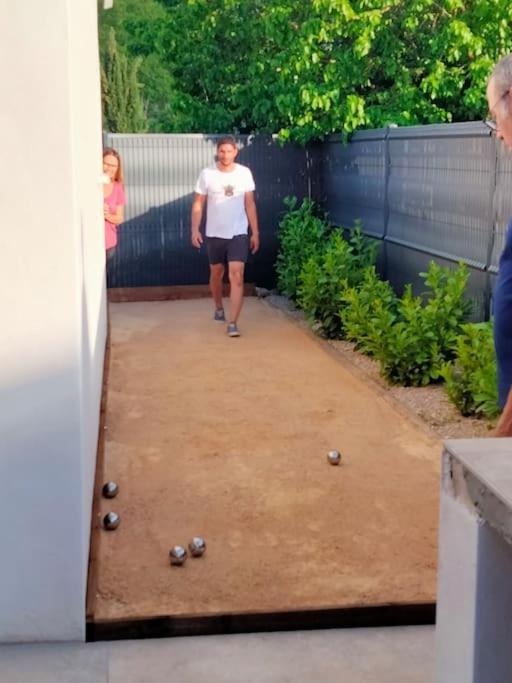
(227, 439)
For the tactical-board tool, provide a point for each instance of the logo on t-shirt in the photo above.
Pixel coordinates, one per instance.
(229, 190)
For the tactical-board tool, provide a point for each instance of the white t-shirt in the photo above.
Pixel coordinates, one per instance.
(225, 208)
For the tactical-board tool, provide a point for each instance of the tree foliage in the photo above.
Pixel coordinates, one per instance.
(309, 68)
(123, 108)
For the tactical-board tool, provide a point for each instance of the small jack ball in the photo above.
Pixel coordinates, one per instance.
(111, 521)
(110, 489)
(334, 457)
(197, 546)
(178, 555)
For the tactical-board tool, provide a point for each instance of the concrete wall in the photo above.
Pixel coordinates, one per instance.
(52, 302)
(474, 595)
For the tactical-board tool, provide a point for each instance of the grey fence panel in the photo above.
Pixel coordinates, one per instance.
(444, 194)
(440, 197)
(160, 175)
(315, 158)
(354, 178)
(502, 204)
(404, 265)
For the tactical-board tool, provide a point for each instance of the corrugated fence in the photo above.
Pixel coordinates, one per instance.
(161, 172)
(440, 191)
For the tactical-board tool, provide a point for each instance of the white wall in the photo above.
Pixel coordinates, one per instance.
(52, 303)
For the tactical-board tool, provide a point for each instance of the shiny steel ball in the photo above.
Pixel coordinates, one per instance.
(197, 546)
(111, 521)
(110, 489)
(178, 555)
(334, 457)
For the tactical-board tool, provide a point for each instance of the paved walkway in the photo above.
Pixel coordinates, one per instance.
(380, 655)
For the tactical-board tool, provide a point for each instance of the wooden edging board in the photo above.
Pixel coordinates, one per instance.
(92, 577)
(222, 624)
(169, 293)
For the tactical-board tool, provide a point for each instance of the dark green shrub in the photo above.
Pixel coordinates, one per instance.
(413, 348)
(301, 236)
(446, 306)
(367, 311)
(470, 379)
(326, 276)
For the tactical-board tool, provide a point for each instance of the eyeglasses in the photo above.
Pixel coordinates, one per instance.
(489, 121)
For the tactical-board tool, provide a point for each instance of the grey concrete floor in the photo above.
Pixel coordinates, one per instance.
(366, 655)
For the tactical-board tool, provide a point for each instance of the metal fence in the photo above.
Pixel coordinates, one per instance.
(160, 174)
(427, 192)
(439, 191)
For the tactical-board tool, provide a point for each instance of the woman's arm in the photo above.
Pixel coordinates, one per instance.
(116, 218)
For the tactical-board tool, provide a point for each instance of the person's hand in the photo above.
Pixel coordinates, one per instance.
(503, 429)
(106, 210)
(255, 242)
(197, 239)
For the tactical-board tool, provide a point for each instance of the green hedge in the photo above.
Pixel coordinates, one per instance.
(470, 379)
(416, 339)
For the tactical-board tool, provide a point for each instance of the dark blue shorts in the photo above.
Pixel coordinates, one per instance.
(221, 250)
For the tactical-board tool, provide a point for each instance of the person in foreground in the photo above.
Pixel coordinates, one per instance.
(499, 97)
(228, 191)
(113, 198)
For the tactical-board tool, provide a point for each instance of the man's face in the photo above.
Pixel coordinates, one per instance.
(226, 154)
(500, 109)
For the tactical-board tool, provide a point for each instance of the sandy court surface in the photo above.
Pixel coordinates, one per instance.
(227, 438)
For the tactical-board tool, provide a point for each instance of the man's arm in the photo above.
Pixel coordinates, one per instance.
(504, 426)
(195, 218)
(252, 215)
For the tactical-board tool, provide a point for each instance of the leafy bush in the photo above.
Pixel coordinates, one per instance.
(367, 310)
(326, 276)
(446, 306)
(412, 348)
(471, 382)
(408, 348)
(301, 236)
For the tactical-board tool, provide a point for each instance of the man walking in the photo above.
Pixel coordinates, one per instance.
(228, 190)
(499, 97)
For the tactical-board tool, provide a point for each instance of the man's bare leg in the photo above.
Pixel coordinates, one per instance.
(216, 275)
(236, 280)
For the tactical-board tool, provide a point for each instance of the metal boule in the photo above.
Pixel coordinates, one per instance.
(334, 457)
(197, 546)
(110, 489)
(178, 555)
(111, 521)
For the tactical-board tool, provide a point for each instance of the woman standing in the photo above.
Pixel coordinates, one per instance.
(113, 197)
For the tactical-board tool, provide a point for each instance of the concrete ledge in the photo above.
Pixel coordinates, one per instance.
(474, 615)
(478, 473)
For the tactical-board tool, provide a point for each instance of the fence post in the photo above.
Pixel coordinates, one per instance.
(387, 168)
(492, 227)
(308, 171)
